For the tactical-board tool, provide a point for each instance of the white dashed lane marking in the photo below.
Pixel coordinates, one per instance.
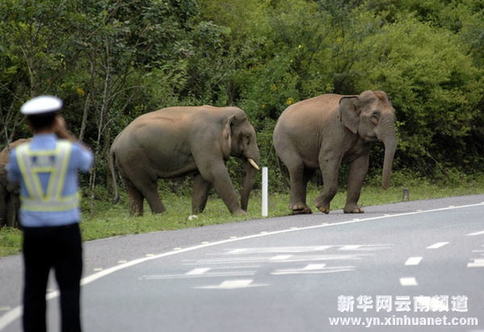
(273, 259)
(476, 233)
(197, 275)
(350, 247)
(281, 257)
(247, 261)
(198, 271)
(233, 267)
(233, 284)
(307, 249)
(408, 281)
(277, 250)
(437, 245)
(310, 267)
(365, 247)
(413, 261)
(313, 269)
(238, 251)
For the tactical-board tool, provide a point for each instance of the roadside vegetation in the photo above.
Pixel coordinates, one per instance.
(103, 219)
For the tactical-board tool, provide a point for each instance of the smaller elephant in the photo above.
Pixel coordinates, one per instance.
(9, 192)
(181, 141)
(324, 131)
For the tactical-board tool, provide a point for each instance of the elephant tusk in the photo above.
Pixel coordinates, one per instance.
(253, 163)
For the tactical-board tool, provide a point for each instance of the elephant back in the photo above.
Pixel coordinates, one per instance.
(5, 153)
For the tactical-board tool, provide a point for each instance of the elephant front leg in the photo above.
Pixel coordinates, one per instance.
(358, 170)
(199, 194)
(218, 175)
(3, 206)
(13, 207)
(330, 172)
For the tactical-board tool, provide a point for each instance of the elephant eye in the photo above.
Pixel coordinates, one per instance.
(375, 116)
(245, 139)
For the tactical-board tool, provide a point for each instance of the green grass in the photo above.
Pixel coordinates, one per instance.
(103, 219)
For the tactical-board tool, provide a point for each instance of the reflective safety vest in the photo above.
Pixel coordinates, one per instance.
(53, 162)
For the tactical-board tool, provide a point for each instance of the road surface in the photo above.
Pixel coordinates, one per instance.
(412, 266)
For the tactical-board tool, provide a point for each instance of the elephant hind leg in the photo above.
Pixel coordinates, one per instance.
(199, 194)
(135, 198)
(150, 192)
(299, 177)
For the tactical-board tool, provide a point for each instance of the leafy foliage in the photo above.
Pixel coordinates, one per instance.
(114, 60)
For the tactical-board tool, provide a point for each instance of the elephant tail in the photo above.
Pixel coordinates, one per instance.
(111, 163)
(282, 168)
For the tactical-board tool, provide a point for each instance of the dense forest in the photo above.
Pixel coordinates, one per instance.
(112, 60)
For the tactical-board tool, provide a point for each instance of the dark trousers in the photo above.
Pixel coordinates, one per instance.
(45, 248)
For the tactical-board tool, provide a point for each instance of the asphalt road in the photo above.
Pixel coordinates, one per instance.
(418, 264)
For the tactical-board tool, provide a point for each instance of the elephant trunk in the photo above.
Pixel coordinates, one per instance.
(390, 141)
(249, 179)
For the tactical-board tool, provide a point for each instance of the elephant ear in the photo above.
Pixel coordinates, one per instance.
(382, 96)
(227, 135)
(350, 113)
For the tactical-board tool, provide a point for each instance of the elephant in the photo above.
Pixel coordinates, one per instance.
(9, 192)
(324, 131)
(180, 141)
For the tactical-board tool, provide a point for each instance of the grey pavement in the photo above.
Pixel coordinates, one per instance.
(294, 280)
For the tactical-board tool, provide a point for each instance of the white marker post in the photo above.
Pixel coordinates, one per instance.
(265, 192)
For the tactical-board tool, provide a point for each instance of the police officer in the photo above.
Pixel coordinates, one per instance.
(46, 169)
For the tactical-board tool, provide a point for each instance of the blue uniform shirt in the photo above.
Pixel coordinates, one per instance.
(80, 159)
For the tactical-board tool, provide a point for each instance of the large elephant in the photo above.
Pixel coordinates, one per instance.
(178, 141)
(9, 192)
(324, 131)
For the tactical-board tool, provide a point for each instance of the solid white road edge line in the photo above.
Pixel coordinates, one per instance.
(13, 314)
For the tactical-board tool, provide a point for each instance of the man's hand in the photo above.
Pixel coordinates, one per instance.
(60, 129)
(60, 123)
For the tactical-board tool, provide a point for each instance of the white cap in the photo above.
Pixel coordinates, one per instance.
(41, 104)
